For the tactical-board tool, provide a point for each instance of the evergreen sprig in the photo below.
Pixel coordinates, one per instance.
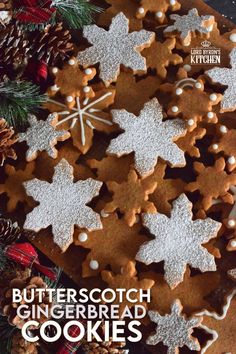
(76, 13)
(18, 99)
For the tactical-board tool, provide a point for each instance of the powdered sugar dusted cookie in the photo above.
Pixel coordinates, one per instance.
(227, 77)
(174, 330)
(190, 24)
(178, 241)
(115, 47)
(149, 137)
(63, 204)
(42, 136)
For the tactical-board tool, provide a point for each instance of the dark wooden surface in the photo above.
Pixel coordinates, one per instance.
(225, 7)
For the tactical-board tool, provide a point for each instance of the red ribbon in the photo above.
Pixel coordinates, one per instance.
(26, 255)
(35, 11)
(69, 347)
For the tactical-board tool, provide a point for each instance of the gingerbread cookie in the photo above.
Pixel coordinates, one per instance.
(45, 165)
(212, 183)
(188, 142)
(120, 242)
(13, 186)
(115, 47)
(159, 56)
(149, 137)
(167, 189)
(128, 7)
(128, 278)
(86, 116)
(158, 8)
(132, 94)
(192, 292)
(42, 136)
(226, 77)
(174, 330)
(190, 25)
(72, 81)
(131, 197)
(178, 241)
(111, 168)
(227, 144)
(63, 204)
(193, 103)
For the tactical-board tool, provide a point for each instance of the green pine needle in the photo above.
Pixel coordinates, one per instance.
(76, 13)
(18, 99)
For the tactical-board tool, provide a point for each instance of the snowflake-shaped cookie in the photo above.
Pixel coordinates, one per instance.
(63, 204)
(227, 77)
(188, 25)
(149, 137)
(159, 8)
(174, 330)
(178, 241)
(115, 47)
(42, 136)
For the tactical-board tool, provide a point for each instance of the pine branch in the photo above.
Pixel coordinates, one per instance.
(76, 13)
(18, 99)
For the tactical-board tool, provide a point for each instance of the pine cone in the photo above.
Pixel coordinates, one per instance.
(9, 232)
(14, 48)
(16, 271)
(5, 5)
(9, 308)
(21, 346)
(52, 45)
(104, 348)
(6, 142)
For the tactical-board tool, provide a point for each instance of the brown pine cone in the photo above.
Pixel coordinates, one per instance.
(53, 45)
(6, 142)
(9, 232)
(11, 273)
(21, 346)
(5, 5)
(9, 308)
(14, 48)
(104, 348)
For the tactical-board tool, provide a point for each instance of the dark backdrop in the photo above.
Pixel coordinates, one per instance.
(225, 7)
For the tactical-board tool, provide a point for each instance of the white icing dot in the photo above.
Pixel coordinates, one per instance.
(141, 10)
(187, 67)
(232, 37)
(223, 129)
(172, 2)
(69, 99)
(215, 146)
(159, 14)
(198, 85)
(55, 70)
(190, 122)
(83, 237)
(175, 109)
(210, 115)
(71, 62)
(104, 214)
(179, 91)
(213, 97)
(55, 88)
(233, 243)
(86, 89)
(88, 71)
(94, 265)
(231, 160)
(231, 223)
